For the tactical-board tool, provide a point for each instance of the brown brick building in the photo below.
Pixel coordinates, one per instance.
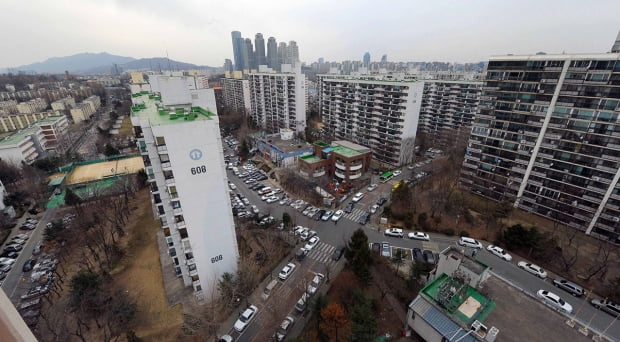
(342, 159)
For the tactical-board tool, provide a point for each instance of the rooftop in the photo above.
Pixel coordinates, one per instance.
(461, 302)
(49, 120)
(149, 109)
(285, 146)
(311, 159)
(19, 136)
(602, 56)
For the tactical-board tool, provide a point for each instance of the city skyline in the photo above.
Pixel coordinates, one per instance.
(200, 33)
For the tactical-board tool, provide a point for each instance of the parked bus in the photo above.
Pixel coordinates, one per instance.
(386, 176)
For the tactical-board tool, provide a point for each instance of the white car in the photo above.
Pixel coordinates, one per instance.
(372, 187)
(305, 234)
(358, 197)
(337, 215)
(533, 269)
(312, 243)
(271, 199)
(419, 236)
(554, 300)
(469, 242)
(374, 208)
(397, 173)
(395, 232)
(327, 215)
(7, 261)
(286, 271)
(255, 209)
(298, 230)
(284, 328)
(411, 167)
(225, 338)
(315, 283)
(499, 252)
(245, 318)
(232, 186)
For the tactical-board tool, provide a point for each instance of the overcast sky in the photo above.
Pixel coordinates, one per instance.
(198, 31)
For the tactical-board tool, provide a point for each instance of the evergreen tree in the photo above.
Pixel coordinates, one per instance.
(358, 255)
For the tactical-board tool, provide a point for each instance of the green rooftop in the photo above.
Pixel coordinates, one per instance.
(157, 117)
(311, 159)
(321, 144)
(345, 151)
(19, 136)
(461, 302)
(48, 120)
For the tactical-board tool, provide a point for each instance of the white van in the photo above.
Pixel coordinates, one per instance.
(269, 288)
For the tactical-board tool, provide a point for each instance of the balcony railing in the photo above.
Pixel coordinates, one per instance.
(341, 166)
(318, 174)
(355, 176)
(355, 167)
(339, 174)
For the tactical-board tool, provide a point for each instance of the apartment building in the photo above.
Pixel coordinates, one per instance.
(81, 112)
(278, 98)
(54, 129)
(236, 94)
(547, 137)
(94, 101)
(8, 107)
(449, 105)
(380, 111)
(22, 146)
(14, 122)
(32, 106)
(63, 104)
(182, 152)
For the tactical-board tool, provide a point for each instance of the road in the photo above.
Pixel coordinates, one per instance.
(338, 234)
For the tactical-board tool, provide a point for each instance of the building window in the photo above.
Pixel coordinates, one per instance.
(195, 278)
(177, 270)
(170, 241)
(160, 141)
(157, 198)
(166, 232)
(160, 209)
(176, 204)
(191, 267)
(172, 252)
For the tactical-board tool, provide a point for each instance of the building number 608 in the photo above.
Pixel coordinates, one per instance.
(216, 259)
(198, 170)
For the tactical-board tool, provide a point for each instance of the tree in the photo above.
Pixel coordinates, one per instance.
(318, 305)
(110, 150)
(53, 232)
(363, 323)
(333, 318)
(83, 287)
(358, 255)
(397, 259)
(286, 219)
(73, 200)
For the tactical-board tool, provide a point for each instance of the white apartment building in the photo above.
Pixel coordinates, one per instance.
(32, 106)
(182, 152)
(22, 146)
(8, 107)
(278, 99)
(81, 112)
(381, 112)
(236, 94)
(54, 129)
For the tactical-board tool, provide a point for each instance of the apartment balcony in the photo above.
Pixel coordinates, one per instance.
(545, 155)
(162, 149)
(177, 211)
(318, 173)
(538, 174)
(180, 225)
(170, 181)
(341, 166)
(518, 169)
(339, 174)
(355, 167)
(166, 166)
(355, 176)
(605, 168)
(591, 199)
(535, 123)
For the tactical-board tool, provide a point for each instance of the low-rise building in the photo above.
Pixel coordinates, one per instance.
(281, 149)
(54, 130)
(63, 104)
(94, 101)
(342, 159)
(21, 146)
(14, 122)
(32, 106)
(81, 112)
(8, 107)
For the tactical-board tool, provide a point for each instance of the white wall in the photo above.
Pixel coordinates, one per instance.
(174, 91)
(204, 98)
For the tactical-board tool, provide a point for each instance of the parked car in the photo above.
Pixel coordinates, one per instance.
(429, 257)
(6, 261)
(397, 173)
(286, 271)
(28, 265)
(327, 215)
(20, 237)
(499, 252)
(9, 254)
(372, 187)
(417, 255)
(338, 252)
(301, 254)
(607, 306)
(245, 318)
(13, 247)
(374, 208)
(317, 216)
(337, 215)
(312, 243)
(305, 234)
(569, 287)
(394, 232)
(364, 218)
(554, 300)
(284, 328)
(381, 201)
(315, 283)
(225, 338)
(533, 269)
(469, 242)
(4, 268)
(358, 197)
(37, 249)
(419, 236)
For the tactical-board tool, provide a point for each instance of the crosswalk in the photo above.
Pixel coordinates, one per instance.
(323, 253)
(355, 214)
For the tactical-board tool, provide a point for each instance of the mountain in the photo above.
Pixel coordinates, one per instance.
(101, 63)
(74, 64)
(153, 64)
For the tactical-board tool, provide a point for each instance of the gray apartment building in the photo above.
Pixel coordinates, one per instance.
(547, 136)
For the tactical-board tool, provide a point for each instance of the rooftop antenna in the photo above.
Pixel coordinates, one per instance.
(168, 58)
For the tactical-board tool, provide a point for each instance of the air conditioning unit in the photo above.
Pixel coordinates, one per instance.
(586, 142)
(521, 131)
(575, 202)
(591, 131)
(616, 219)
(523, 141)
(492, 335)
(476, 325)
(517, 100)
(596, 179)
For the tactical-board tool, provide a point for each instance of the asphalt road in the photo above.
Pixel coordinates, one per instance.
(338, 234)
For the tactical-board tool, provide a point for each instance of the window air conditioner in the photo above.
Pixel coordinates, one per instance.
(591, 131)
(523, 141)
(521, 131)
(616, 219)
(596, 179)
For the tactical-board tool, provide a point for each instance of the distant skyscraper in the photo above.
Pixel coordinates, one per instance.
(228, 65)
(384, 59)
(238, 49)
(616, 47)
(282, 53)
(272, 53)
(367, 58)
(249, 51)
(293, 52)
(259, 46)
(321, 60)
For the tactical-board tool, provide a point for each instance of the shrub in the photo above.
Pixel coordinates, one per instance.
(464, 233)
(448, 231)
